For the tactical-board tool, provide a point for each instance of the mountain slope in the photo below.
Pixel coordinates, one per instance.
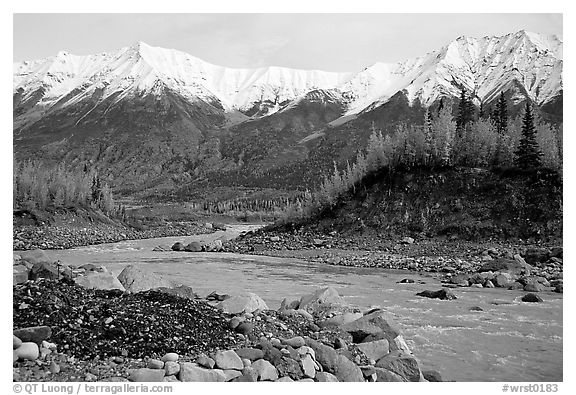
(152, 117)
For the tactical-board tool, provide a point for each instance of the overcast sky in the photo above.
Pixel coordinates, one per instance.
(333, 42)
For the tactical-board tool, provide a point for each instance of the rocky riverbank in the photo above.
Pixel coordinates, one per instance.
(459, 263)
(84, 324)
(63, 237)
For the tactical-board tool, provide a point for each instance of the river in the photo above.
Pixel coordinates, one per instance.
(508, 341)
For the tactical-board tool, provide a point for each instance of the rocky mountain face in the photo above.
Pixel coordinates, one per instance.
(153, 118)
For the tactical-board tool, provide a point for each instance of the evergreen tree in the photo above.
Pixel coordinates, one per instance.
(428, 137)
(465, 112)
(440, 105)
(501, 115)
(528, 155)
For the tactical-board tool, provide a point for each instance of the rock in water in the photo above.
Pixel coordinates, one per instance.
(136, 279)
(320, 297)
(179, 246)
(443, 294)
(532, 298)
(194, 246)
(245, 303)
(99, 281)
(432, 376)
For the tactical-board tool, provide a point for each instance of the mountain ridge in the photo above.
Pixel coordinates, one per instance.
(467, 62)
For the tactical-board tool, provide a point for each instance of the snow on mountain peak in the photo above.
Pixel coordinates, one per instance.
(483, 66)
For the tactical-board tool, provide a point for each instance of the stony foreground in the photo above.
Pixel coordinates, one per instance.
(139, 327)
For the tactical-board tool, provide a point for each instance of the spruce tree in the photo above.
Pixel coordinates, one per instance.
(465, 112)
(528, 155)
(501, 115)
(428, 137)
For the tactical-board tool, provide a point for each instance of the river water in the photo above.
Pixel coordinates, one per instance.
(508, 341)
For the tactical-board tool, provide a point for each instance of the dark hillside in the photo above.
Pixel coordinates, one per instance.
(471, 204)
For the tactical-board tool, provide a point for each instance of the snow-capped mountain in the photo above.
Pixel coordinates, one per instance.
(483, 66)
(149, 117)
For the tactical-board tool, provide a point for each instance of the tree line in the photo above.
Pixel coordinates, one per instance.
(442, 141)
(39, 186)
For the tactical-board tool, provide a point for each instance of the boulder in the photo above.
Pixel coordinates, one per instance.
(137, 278)
(377, 323)
(214, 245)
(231, 374)
(194, 246)
(325, 377)
(227, 360)
(308, 366)
(27, 351)
(515, 285)
(443, 294)
(143, 375)
(502, 280)
(155, 364)
(460, 279)
(245, 303)
(404, 365)
(290, 304)
(50, 271)
(252, 354)
(171, 368)
(537, 255)
(295, 342)
(191, 372)
(341, 319)
(532, 298)
(266, 371)
(376, 349)
(386, 376)
(249, 375)
(205, 361)
(332, 362)
(284, 379)
(178, 246)
(19, 274)
(321, 296)
(35, 334)
(407, 240)
(432, 376)
(533, 287)
(287, 366)
(183, 291)
(511, 266)
(99, 281)
(16, 342)
(170, 357)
